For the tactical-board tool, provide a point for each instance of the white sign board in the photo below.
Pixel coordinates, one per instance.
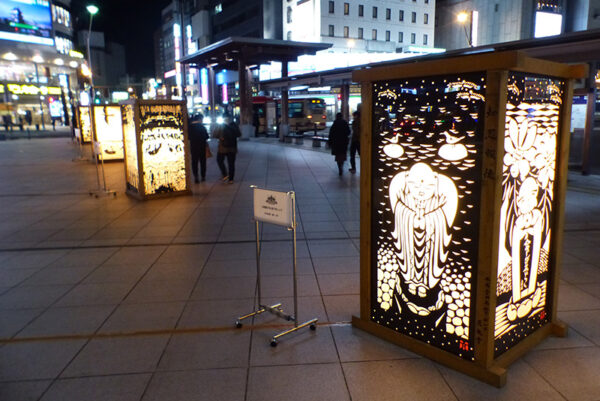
(578, 115)
(273, 207)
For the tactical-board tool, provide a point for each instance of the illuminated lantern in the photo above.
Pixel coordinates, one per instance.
(156, 148)
(85, 124)
(462, 200)
(108, 130)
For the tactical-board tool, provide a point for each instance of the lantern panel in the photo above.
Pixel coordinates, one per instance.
(528, 176)
(85, 124)
(426, 185)
(130, 145)
(162, 140)
(109, 131)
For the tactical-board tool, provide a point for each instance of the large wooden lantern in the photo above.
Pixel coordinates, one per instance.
(464, 167)
(156, 148)
(108, 130)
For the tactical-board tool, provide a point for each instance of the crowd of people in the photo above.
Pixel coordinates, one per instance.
(341, 134)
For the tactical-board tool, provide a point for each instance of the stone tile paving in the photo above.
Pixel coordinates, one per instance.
(116, 299)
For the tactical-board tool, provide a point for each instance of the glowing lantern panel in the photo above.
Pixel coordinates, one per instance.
(426, 187)
(130, 145)
(85, 124)
(529, 166)
(109, 131)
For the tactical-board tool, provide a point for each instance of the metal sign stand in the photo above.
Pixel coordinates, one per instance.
(79, 140)
(97, 154)
(276, 308)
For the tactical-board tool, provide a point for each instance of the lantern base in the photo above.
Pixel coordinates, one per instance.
(495, 374)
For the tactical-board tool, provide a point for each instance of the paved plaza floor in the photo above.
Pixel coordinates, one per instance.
(117, 299)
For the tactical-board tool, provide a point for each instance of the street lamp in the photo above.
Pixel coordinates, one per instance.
(463, 18)
(93, 10)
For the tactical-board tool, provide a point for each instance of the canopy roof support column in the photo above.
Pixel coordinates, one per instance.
(284, 126)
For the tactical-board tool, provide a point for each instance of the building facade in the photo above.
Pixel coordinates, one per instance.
(361, 25)
(486, 22)
(38, 65)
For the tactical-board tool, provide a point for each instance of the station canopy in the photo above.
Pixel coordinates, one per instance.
(250, 51)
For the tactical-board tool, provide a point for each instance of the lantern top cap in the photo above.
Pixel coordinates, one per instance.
(92, 9)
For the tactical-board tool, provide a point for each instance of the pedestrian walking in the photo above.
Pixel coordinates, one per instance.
(198, 137)
(355, 141)
(338, 139)
(227, 134)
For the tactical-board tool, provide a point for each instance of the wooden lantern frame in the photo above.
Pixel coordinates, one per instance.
(82, 139)
(141, 190)
(495, 67)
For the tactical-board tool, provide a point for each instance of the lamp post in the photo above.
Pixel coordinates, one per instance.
(93, 10)
(463, 18)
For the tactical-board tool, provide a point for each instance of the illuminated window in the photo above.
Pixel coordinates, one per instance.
(331, 7)
(63, 45)
(400, 37)
(346, 32)
(387, 36)
(346, 9)
(426, 19)
(360, 33)
(331, 30)
(413, 38)
(374, 12)
(401, 15)
(61, 16)
(388, 14)
(413, 17)
(425, 39)
(374, 34)
(361, 10)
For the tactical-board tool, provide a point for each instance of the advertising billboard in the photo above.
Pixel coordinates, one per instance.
(26, 21)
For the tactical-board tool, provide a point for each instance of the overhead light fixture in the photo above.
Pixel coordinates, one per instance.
(37, 59)
(59, 61)
(10, 56)
(73, 64)
(298, 88)
(92, 9)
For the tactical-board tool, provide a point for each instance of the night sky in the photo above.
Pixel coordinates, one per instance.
(128, 22)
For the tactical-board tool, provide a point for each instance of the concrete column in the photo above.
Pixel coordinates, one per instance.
(211, 97)
(245, 102)
(586, 162)
(284, 126)
(345, 92)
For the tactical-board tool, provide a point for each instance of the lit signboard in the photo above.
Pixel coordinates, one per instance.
(26, 21)
(156, 147)
(529, 171)
(425, 141)
(33, 90)
(547, 24)
(109, 131)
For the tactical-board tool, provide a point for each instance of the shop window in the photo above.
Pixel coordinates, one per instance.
(400, 37)
(331, 30)
(346, 32)
(374, 34)
(360, 33)
(387, 36)
(346, 8)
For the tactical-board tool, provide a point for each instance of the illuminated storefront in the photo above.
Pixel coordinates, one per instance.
(156, 148)
(461, 200)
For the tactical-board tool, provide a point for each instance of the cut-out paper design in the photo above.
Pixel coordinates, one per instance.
(85, 124)
(109, 131)
(130, 145)
(163, 148)
(529, 165)
(426, 182)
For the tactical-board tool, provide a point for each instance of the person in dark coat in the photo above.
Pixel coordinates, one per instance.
(227, 135)
(338, 140)
(198, 136)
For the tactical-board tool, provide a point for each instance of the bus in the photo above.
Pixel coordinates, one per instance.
(304, 114)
